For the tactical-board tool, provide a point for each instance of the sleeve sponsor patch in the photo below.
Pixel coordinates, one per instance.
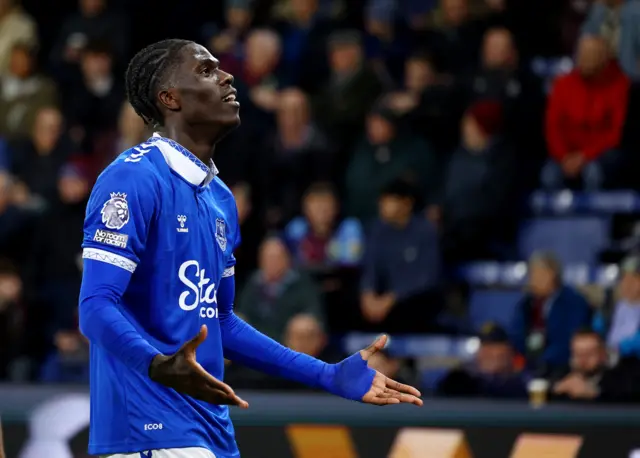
(111, 238)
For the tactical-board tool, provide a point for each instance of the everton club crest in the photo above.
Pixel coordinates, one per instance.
(115, 211)
(221, 236)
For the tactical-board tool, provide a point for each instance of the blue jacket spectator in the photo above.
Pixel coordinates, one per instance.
(401, 272)
(548, 315)
(622, 329)
(319, 238)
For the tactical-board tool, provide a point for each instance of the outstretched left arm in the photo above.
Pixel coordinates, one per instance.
(350, 379)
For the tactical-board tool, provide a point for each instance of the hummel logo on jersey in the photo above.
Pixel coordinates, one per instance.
(200, 291)
(182, 219)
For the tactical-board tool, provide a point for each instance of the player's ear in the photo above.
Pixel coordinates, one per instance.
(170, 99)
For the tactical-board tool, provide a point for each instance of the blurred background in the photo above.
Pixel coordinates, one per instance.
(461, 174)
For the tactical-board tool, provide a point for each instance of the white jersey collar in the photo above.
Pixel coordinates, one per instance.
(183, 162)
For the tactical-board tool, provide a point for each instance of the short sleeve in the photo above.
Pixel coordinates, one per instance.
(119, 214)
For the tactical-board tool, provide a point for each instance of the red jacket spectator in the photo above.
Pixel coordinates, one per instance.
(587, 115)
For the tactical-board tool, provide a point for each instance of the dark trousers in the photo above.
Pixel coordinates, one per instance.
(417, 314)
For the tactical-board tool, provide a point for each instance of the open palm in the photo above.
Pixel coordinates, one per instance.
(384, 390)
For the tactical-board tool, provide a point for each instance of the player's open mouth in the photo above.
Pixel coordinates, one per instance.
(231, 99)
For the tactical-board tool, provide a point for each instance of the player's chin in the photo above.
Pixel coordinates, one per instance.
(226, 125)
(232, 121)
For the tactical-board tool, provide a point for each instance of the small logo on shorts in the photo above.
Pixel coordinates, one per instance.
(152, 426)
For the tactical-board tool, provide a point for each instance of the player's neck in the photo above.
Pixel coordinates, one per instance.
(201, 145)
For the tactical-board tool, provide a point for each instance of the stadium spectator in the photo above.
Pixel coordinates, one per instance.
(455, 40)
(547, 316)
(385, 154)
(16, 26)
(503, 77)
(53, 271)
(585, 117)
(381, 15)
(304, 333)
(257, 77)
(492, 373)
(622, 328)
(244, 155)
(93, 22)
(300, 155)
(342, 102)
(23, 92)
(473, 208)
(400, 282)
(615, 21)
(431, 102)
(238, 15)
(591, 378)
(69, 363)
(320, 238)
(277, 292)
(12, 217)
(92, 110)
(251, 227)
(37, 160)
(304, 29)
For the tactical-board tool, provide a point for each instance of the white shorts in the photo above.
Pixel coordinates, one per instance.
(190, 452)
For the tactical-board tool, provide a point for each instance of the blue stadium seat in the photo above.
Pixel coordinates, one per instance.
(572, 239)
(591, 203)
(489, 305)
(430, 378)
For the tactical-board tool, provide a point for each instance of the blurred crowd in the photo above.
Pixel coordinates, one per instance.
(383, 143)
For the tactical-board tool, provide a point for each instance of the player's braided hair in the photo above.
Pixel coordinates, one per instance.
(149, 72)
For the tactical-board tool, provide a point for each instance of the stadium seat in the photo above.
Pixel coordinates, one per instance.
(591, 203)
(572, 239)
(430, 378)
(497, 306)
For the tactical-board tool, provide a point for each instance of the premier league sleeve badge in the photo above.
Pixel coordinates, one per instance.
(115, 211)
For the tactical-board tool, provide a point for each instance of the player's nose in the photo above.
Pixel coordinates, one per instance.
(227, 79)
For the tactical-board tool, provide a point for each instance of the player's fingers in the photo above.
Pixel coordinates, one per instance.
(214, 396)
(198, 339)
(386, 394)
(227, 395)
(375, 347)
(238, 401)
(213, 382)
(403, 397)
(378, 401)
(401, 387)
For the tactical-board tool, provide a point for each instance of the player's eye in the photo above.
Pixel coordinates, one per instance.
(206, 72)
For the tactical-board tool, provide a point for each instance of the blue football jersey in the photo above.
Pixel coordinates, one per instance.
(161, 214)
